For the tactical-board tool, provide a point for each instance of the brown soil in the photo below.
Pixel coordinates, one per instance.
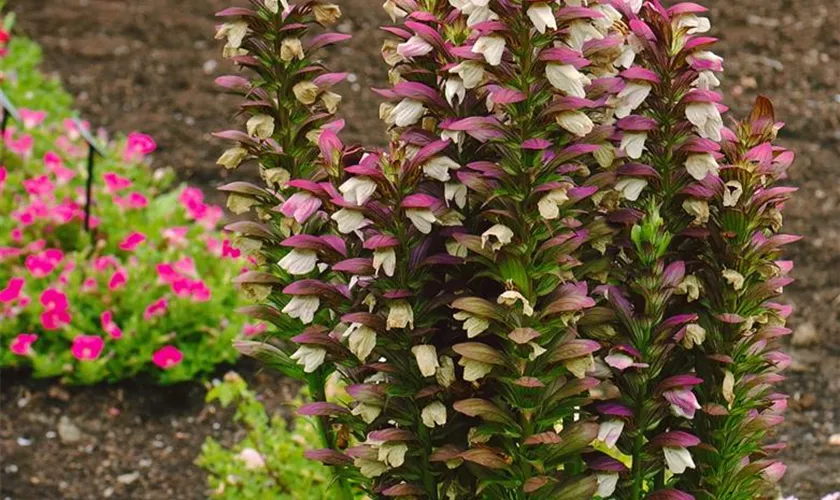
(150, 65)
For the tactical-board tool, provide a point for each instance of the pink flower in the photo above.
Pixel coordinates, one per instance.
(9, 252)
(156, 308)
(229, 250)
(133, 201)
(115, 182)
(72, 130)
(31, 119)
(196, 290)
(22, 146)
(87, 347)
(214, 246)
(212, 216)
(167, 274)
(186, 266)
(89, 285)
(12, 291)
(103, 263)
(22, 344)
(176, 235)
(118, 279)
(249, 330)
(56, 312)
(3, 176)
(39, 186)
(55, 165)
(40, 265)
(167, 356)
(109, 325)
(53, 299)
(132, 241)
(137, 146)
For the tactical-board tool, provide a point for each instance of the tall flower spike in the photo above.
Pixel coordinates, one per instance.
(545, 81)
(740, 359)
(666, 171)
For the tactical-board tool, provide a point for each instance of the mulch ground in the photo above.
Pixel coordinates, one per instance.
(150, 65)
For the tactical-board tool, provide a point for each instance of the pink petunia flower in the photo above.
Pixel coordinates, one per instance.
(133, 201)
(56, 313)
(132, 241)
(31, 119)
(230, 251)
(118, 279)
(155, 309)
(22, 344)
(115, 182)
(87, 347)
(176, 236)
(4, 174)
(109, 325)
(137, 146)
(39, 186)
(12, 291)
(167, 357)
(22, 146)
(103, 263)
(44, 263)
(89, 285)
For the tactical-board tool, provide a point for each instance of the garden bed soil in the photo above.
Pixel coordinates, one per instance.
(150, 65)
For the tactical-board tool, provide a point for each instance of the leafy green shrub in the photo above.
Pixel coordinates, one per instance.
(269, 462)
(147, 290)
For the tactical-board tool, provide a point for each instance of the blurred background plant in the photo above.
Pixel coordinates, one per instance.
(147, 290)
(269, 461)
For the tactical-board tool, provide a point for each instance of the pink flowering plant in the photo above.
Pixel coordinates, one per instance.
(145, 292)
(558, 280)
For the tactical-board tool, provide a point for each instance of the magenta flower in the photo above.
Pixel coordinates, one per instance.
(115, 182)
(31, 118)
(22, 344)
(156, 308)
(46, 262)
(109, 325)
(87, 347)
(118, 279)
(229, 251)
(39, 186)
(56, 312)
(55, 165)
(132, 241)
(137, 146)
(176, 236)
(12, 291)
(167, 357)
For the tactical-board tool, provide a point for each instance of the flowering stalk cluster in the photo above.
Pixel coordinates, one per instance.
(525, 293)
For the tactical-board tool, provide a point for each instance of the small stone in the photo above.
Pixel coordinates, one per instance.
(805, 334)
(67, 431)
(107, 493)
(210, 66)
(24, 441)
(58, 393)
(128, 478)
(50, 435)
(11, 469)
(808, 400)
(834, 440)
(145, 462)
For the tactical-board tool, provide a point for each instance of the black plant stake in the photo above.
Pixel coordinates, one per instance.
(9, 110)
(93, 150)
